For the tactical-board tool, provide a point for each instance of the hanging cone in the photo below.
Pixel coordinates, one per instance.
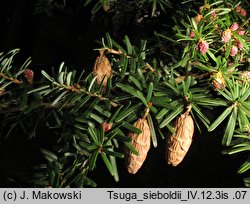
(102, 68)
(141, 142)
(179, 143)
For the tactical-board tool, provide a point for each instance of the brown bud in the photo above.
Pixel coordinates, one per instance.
(29, 75)
(102, 68)
(179, 143)
(141, 142)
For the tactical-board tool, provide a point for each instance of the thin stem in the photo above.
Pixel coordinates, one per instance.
(76, 88)
(147, 109)
(148, 66)
(4, 108)
(196, 76)
(16, 81)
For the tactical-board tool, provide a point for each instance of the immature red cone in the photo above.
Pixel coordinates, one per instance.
(29, 75)
(179, 143)
(191, 35)
(241, 31)
(234, 51)
(241, 11)
(141, 142)
(106, 126)
(102, 68)
(202, 46)
(234, 26)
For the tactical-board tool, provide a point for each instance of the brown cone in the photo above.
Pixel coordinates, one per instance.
(141, 142)
(102, 68)
(179, 143)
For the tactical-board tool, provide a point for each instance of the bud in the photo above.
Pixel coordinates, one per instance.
(216, 27)
(238, 8)
(213, 15)
(240, 45)
(241, 31)
(234, 26)
(218, 84)
(102, 69)
(191, 35)
(202, 46)
(141, 142)
(179, 143)
(198, 18)
(218, 81)
(29, 75)
(226, 35)
(243, 12)
(245, 75)
(234, 51)
(106, 126)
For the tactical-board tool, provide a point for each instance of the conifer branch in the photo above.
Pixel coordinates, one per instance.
(15, 81)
